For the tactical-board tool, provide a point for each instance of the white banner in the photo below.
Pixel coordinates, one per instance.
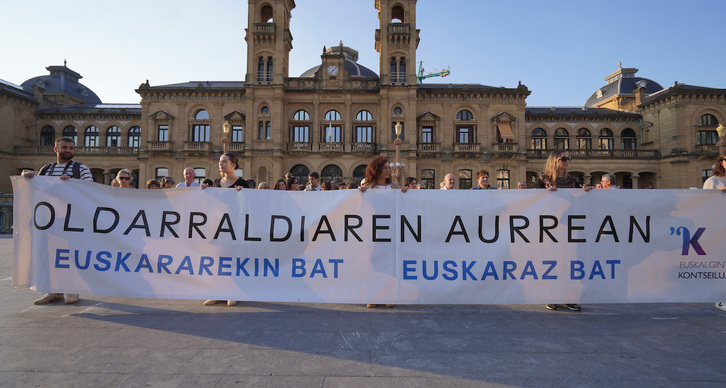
(381, 246)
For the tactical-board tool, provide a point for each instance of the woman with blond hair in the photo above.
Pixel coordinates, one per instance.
(555, 176)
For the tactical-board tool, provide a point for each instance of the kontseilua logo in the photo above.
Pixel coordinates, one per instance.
(689, 241)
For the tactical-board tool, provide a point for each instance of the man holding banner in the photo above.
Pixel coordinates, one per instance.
(65, 168)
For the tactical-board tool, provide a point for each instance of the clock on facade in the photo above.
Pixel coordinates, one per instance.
(333, 70)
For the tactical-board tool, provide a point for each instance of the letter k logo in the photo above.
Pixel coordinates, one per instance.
(689, 241)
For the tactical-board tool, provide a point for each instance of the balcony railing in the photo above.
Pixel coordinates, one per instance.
(236, 147)
(83, 150)
(466, 147)
(264, 28)
(505, 147)
(299, 146)
(399, 28)
(364, 147)
(197, 146)
(158, 145)
(429, 147)
(598, 154)
(707, 149)
(331, 146)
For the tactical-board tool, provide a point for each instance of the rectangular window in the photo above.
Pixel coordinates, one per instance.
(706, 137)
(91, 140)
(199, 174)
(562, 143)
(163, 134)
(584, 143)
(428, 179)
(464, 135)
(236, 133)
(539, 144)
(628, 144)
(427, 135)
(705, 174)
(605, 143)
(301, 134)
(332, 134)
(503, 179)
(464, 179)
(200, 133)
(263, 131)
(161, 172)
(364, 134)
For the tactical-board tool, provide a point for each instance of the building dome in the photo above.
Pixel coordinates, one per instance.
(62, 80)
(351, 63)
(622, 82)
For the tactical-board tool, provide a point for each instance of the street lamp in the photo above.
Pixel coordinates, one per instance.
(721, 130)
(226, 127)
(397, 166)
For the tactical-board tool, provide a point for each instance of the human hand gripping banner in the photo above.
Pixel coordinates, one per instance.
(378, 246)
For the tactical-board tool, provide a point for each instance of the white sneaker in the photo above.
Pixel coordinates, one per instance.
(210, 302)
(721, 306)
(231, 303)
(49, 297)
(71, 298)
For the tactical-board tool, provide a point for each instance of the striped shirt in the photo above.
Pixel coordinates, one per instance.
(58, 169)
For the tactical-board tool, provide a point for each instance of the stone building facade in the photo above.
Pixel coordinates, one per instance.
(337, 116)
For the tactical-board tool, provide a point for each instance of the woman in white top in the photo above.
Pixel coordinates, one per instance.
(378, 176)
(718, 181)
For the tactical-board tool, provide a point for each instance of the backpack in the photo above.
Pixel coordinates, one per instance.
(50, 166)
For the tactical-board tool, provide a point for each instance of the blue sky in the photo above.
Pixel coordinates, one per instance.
(561, 50)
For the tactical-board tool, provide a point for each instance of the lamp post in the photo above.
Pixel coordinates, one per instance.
(226, 127)
(721, 129)
(397, 167)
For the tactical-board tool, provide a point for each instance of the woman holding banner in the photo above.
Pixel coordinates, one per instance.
(227, 165)
(555, 176)
(378, 176)
(718, 181)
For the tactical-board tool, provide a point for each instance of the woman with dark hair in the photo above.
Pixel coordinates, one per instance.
(555, 176)
(326, 186)
(280, 185)
(291, 183)
(718, 181)
(411, 183)
(227, 165)
(378, 176)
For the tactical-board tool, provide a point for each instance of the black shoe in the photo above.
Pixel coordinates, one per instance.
(573, 307)
(554, 307)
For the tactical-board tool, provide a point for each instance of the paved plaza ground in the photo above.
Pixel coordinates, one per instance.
(127, 342)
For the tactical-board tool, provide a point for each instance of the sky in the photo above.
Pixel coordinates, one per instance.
(560, 49)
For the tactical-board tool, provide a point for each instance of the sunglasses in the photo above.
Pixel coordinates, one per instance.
(124, 178)
(565, 158)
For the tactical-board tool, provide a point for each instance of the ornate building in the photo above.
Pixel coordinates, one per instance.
(337, 116)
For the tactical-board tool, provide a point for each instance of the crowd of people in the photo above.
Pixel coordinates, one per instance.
(377, 176)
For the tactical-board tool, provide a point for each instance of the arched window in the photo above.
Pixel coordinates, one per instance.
(331, 173)
(113, 136)
(394, 73)
(562, 139)
(464, 115)
(364, 115)
(332, 115)
(584, 139)
(260, 69)
(398, 112)
(605, 140)
(708, 120)
(70, 131)
(90, 137)
(300, 172)
(301, 115)
(269, 69)
(363, 130)
(397, 14)
(264, 110)
(135, 137)
(47, 136)
(359, 173)
(627, 139)
(202, 114)
(266, 14)
(332, 130)
(539, 139)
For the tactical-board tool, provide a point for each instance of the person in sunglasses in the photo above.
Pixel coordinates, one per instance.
(555, 176)
(124, 179)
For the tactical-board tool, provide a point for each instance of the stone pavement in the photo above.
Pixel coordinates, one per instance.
(110, 341)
